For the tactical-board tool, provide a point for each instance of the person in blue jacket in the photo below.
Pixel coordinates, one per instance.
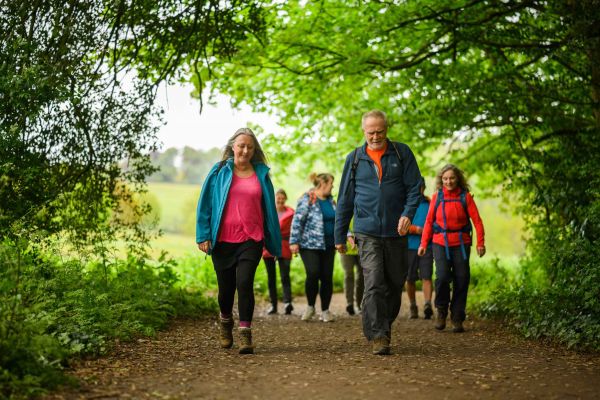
(312, 237)
(236, 215)
(419, 267)
(380, 188)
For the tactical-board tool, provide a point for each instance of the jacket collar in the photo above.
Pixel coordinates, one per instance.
(261, 169)
(454, 192)
(389, 149)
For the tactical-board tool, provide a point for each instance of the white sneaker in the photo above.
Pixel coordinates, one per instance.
(308, 313)
(327, 316)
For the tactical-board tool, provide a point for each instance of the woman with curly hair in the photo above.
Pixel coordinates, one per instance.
(449, 224)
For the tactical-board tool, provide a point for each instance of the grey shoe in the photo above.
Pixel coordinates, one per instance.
(226, 332)
(246, 346)
(381, 346)
(414, 311)
(308, 313)
(327, 316)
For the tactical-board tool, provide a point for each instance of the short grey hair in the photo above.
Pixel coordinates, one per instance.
(375, 114)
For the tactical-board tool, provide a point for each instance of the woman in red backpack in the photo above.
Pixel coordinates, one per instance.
(449, 224)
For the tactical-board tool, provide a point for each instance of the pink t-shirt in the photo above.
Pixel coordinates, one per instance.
(243, 214)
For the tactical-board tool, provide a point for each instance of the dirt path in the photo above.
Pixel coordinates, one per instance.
(299, 360)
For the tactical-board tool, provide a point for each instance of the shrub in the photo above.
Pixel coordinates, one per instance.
(51, 310)
(554, 295)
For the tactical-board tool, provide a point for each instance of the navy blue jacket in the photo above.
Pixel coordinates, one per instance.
(376, 206)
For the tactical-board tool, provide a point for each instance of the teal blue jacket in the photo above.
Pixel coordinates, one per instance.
(214, 196)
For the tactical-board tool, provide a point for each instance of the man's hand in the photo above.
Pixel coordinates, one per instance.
(341, 248)
(421, 251)
(403, 225)
(480, 251)
(204, 246)
(295, 248)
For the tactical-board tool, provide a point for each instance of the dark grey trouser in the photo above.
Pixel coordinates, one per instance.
(352, 285)
(384, 263)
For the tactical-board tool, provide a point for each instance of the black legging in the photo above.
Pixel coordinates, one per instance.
(319, 267)
(284, 271)
(235, 265)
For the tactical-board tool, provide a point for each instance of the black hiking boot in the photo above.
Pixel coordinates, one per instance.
(272, 310)
(350, 309)
(457, 327)
(288, 308)
(427, 311)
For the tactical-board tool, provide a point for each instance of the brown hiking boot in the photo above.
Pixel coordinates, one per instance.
(381, 346)
(440, 320)
(226, 336)
(246, 346)
(457, 327)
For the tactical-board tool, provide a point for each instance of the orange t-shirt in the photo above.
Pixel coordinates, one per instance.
(376, 157)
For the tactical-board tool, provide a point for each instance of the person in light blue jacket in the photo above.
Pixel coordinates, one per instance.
(235, 218)
(312, 237)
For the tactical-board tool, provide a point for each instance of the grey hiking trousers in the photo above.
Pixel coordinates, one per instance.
(385, 266)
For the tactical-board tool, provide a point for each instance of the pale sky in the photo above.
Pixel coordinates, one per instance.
(186, 127)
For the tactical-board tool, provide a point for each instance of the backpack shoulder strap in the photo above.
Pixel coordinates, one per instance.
(438, 200)
(463, 200)
(396, 150)
(354, 164)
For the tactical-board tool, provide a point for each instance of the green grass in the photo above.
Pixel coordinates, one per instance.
(177, 207)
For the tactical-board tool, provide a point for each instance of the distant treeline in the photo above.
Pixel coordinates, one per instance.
(185, 165)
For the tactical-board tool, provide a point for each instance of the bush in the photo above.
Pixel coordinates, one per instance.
(554, 295)
(52, 310)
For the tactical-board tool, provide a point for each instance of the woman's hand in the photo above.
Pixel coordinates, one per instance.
(204, 246)
(480, 251)
(294, 248)
(341, 248)
(421, 251)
